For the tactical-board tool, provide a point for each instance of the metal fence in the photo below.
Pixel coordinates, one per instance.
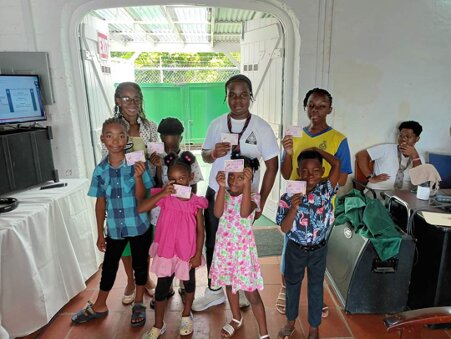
(180, 75)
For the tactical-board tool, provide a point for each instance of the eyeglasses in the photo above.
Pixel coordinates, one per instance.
(128, 100)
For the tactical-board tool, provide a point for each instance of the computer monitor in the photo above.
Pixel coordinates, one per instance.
(20, 99)
(442, 162)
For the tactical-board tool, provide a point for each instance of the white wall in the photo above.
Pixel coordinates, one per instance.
(393, 65)
(384, 61)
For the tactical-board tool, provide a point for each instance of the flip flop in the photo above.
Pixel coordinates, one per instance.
(325, 311)
(87, 314)
(138, 312)
(152, 301)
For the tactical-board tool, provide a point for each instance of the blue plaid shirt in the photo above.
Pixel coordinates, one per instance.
(117, 185)
(314, 216)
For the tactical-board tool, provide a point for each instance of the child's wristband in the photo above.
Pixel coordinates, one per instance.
(212, 155)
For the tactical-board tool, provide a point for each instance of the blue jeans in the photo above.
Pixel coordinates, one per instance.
(284, 249)
(296, 261)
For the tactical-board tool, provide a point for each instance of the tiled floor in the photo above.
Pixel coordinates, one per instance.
(208, 324)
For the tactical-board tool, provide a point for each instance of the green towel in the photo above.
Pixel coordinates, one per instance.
(371, 220)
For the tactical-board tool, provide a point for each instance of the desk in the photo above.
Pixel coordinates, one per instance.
(47, 252)
(431, 273)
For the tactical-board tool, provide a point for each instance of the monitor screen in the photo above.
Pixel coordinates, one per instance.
(20, 99)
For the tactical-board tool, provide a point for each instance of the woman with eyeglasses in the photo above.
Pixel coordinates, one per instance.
(129, 106)
(128, 100)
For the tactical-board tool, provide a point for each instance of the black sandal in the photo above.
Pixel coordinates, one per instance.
(87, 314)
(138, 312)
(152, 301)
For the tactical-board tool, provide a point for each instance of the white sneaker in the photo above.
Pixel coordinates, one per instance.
(243, 300)
(210, 298)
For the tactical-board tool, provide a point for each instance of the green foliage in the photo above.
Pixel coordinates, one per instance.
(122, 55)
(165, 59)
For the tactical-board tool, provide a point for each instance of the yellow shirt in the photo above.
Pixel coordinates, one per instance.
(329, 140)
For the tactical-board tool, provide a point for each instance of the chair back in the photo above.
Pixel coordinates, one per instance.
(442, 162)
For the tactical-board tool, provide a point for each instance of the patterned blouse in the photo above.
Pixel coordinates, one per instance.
(147, 129)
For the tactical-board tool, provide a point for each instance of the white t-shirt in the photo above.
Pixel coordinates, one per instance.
(385, 158)
(258, 141)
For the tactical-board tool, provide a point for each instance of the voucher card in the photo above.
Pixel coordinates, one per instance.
(182, 191)
(295, 131)
(133, 157)
(234, 165)
(157, 147)
(296, 186)
(231, 138)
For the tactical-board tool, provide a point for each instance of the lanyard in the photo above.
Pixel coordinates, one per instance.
(236, 148)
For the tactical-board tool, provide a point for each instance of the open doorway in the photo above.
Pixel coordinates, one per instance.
(251, 41)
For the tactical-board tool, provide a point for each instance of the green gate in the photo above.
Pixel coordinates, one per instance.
(195, 105)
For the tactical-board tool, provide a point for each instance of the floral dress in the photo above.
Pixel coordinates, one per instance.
(235, 259)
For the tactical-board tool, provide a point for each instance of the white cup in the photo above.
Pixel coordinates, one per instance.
(423, 192)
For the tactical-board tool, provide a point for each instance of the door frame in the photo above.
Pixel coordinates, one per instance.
(71, 47)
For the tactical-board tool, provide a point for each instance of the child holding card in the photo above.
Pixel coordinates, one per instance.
(171, 135)
(179, 237)
(235, 260)
(305, 219)
(318, 105)
(113, 185)
(129, 107)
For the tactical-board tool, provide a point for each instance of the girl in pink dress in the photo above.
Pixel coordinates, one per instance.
(235, 260)
(179, 237)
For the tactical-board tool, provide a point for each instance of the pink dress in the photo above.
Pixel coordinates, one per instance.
(235, 260)
(175, 235)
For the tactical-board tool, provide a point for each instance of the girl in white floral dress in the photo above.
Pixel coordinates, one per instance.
(235, 261)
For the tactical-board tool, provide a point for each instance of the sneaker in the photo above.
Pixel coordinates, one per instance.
(243, 300)
(210, 298)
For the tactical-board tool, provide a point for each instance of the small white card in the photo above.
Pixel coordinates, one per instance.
(157, 147)
(182, 191)
(133, 157)
(234, 165)
(296, 186)
(231, 138)
(295, 131)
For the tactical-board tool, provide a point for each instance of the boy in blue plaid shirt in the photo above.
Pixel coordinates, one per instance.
(113, 184)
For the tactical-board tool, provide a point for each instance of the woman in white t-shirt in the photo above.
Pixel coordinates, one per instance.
(256, 139)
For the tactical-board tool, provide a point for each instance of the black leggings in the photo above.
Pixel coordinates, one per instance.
(211, 227)
(114, 247)
(164, 284)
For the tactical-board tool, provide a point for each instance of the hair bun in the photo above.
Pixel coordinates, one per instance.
(188, 157)
(168, 159)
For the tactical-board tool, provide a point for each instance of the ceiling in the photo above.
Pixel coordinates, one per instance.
(158, 26)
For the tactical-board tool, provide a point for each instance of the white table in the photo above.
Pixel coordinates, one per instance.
(47, 252)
